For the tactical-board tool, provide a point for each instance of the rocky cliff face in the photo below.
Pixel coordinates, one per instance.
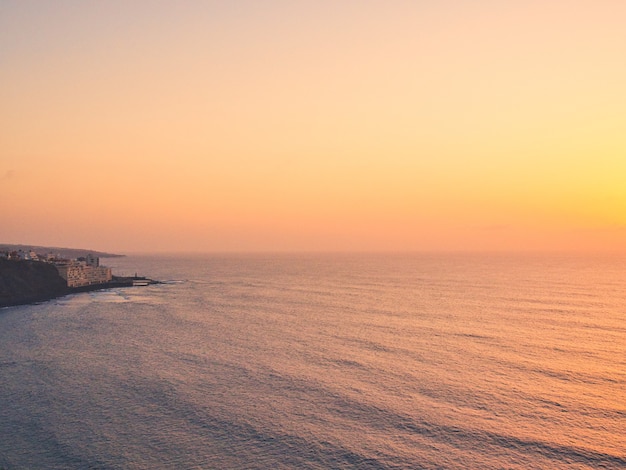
(29, 281)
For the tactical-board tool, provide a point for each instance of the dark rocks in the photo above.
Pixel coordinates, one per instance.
(24, 282)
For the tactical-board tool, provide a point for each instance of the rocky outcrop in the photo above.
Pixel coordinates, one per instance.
(24, 282)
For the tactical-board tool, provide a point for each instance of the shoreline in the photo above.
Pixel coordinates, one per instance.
(116, 282)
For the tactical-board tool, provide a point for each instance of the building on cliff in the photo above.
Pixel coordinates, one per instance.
(83, 273)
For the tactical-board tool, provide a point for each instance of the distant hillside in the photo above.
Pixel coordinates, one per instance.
(71, 253)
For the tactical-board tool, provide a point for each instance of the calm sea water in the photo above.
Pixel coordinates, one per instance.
(323, 361)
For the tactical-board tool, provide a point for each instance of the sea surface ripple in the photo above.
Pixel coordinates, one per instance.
(447, 361)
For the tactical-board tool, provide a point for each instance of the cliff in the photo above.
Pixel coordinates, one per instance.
(26, 282)
(29, 281)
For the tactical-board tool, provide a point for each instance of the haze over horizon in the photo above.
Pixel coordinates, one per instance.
(313, 126)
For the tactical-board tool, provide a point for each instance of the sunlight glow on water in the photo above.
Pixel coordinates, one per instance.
(320, 361)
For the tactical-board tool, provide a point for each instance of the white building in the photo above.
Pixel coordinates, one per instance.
(79, 274)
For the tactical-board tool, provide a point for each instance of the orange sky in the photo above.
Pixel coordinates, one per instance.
(321, 125)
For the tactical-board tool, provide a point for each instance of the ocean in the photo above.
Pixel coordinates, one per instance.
(323, 361)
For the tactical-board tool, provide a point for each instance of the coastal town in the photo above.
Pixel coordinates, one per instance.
(28, 276)
(79, 272)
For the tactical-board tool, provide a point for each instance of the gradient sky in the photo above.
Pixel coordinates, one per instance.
(313, 125)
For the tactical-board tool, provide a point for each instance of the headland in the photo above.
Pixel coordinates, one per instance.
(27, 277)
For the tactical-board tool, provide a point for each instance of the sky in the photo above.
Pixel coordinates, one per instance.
(163, 126)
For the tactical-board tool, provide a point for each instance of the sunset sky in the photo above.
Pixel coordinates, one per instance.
(313, 125)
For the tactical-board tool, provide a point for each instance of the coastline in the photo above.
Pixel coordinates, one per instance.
(31, 282)
(118, 282)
